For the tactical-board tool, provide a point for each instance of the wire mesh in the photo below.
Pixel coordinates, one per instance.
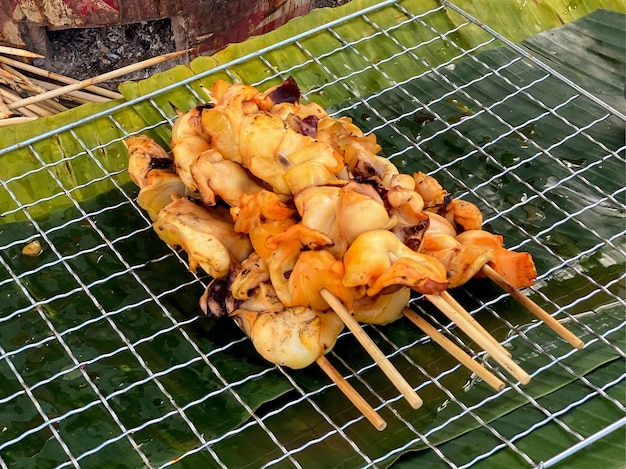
(105, 361)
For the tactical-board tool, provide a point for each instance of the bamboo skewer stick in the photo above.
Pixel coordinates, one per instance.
(21, 79)
(76, 96)
(379, 357)
(357, 400)
(450, 347)
(16, 120)
(5, 112)
(22, 84)
(534, 308)
(58, 77)
(32, 110)
(19, 52)
(480, 338)
(455, 304)
(98, 79)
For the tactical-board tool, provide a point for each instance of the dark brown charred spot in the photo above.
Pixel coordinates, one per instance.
(310, 125)
(287, 274)
(160, 163)
(199, 107)
(412, 235)
(288, 92)
(414, 242)
(304, 126)
(378, 187)
(364, 170)
(218, 299)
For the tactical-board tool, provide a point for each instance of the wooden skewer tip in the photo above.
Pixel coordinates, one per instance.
(352, 394)
(534, 308)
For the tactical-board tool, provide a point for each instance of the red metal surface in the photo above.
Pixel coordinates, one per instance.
(202, 25)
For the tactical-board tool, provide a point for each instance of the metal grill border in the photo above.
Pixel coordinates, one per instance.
(205, 356)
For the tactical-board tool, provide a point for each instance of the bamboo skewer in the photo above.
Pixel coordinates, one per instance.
(16, 120)
(19, 52)
(534, 308)
(32, 110)
(357, 400)
(450, 347)
(92, 81)
(455, 304)
(97, 90)
(19, 78)
(379, 357)
(5, 112)
(75, 96)
(480, 338)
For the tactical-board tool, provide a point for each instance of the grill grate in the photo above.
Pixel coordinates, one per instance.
(102, 363)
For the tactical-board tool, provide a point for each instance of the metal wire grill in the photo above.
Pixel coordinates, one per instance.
(118, 376)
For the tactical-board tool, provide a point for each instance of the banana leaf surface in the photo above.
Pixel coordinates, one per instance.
(103, 330)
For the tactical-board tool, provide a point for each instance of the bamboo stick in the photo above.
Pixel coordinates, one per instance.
(58, 77)
(32, 110)
(98, 79)
(480, 338)
(357, 400)
(379, 357)
(22, 84)
(450, 347)
(456, 305)
(534, 308)
(19, 52)
(75, 96)
(20, 78)
(16, 120)
(5, 112)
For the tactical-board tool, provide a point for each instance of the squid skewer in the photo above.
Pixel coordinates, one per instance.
(386, 308)
(286, 169)
(518, 269)
(379, 357)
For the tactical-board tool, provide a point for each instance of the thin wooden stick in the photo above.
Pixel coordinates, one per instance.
(76, 96)
(9, 98)
(379, 357)
(98, 79)
(359, 402)
(4, 110)
(58, 77)
(534, 308)
(456, 305)
(16, 120)
(480, 338)
(19, 52)
(450, 347)
(20, 78)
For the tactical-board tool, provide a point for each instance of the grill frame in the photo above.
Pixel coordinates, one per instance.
(77, 366)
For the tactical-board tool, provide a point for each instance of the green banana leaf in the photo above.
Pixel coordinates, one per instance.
(73, 184)
(78, 149)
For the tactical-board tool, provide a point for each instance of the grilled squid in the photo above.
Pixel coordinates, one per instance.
(293, 336)
(391, 263)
